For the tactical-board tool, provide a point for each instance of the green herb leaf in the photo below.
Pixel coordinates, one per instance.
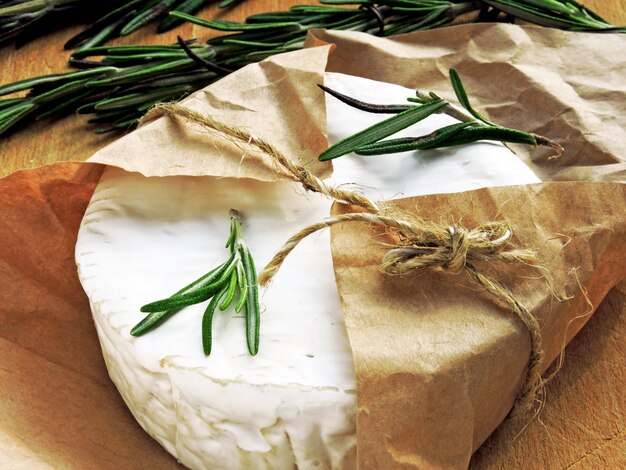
(434, 140)
(242, 281)
(151, 321)
(154, 319)
(230, 292)
(253, 313)
(207, 322)
(204, 287)
(236, 26)
(382, 129)
(461, 95)
(188, 6)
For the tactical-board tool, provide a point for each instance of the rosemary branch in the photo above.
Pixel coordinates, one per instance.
(120, 83)
(219, 286)
(23, 20)
(473, 126)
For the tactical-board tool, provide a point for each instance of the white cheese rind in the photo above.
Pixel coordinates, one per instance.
(129, 253)
(294, 403)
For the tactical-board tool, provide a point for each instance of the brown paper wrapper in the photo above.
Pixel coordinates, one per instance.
(276, 100)
(438, 363)
(60, 409)
(566, 86)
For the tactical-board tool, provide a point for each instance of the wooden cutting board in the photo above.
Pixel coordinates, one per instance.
(584, 423)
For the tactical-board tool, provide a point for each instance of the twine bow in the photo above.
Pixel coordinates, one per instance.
(421, 244)
(452, 249)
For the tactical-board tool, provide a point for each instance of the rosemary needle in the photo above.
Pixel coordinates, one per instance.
(230, 292)
(370, 108)
(218, 285)
(383, 129)
(207, 322)
(461, 95)
(413, 143)
(253, 317)
(154, 320)
(242, 281)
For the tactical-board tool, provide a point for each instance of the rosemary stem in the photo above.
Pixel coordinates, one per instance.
(473, 126)
(463, 116)
(447, 109)
(459, 9)
(235, 220)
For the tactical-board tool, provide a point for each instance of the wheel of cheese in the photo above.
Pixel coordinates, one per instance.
(293, 404)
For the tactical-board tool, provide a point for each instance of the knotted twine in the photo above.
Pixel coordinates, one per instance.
(420, 244)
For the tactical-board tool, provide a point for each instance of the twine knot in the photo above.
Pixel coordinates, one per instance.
(450, 249)
(457, 250)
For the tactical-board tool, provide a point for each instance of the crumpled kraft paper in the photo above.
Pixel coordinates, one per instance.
(58, 407)
(60, 410)
(276, 100)
(438, 363)
(566, 86)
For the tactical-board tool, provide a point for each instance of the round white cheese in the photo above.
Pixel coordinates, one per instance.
(294, 403)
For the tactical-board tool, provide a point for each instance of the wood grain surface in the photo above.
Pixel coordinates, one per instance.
(71, 138)
(584, 424)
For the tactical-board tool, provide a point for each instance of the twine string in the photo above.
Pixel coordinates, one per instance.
(420, 245)
(285, 166)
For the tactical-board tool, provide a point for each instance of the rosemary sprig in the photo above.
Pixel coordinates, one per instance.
(553, 14)
(23, 20)
(220, 286)
(382, 129)
(136, 77)
(118, 90)
(473, 126)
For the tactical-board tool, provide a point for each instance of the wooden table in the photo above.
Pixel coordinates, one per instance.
(584, 424)
(69, 138)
